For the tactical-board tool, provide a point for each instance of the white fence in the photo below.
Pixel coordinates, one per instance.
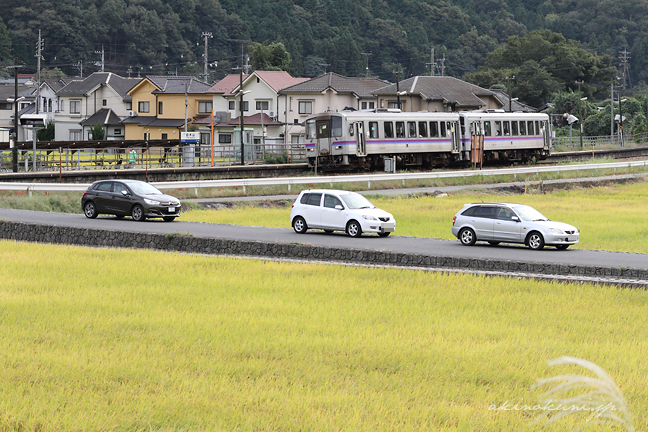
(368, 178)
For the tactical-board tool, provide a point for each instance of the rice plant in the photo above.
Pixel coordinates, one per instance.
(598, 397)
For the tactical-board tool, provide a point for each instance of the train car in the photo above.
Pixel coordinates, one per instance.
(507, 137)
(363, 139)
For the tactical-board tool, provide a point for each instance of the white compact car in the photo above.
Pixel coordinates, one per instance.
(511, 223)
(336, 210)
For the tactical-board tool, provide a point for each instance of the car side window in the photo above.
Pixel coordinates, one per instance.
(304, 198)
(314, 199)
(485, 212)
(104, 187)
(504, 213)
(119, 188)
(331, 201)
(470, 211)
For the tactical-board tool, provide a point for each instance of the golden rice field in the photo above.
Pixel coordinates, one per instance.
(125, 340)
(609, 218)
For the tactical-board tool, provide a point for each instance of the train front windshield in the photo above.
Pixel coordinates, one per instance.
(326, 128)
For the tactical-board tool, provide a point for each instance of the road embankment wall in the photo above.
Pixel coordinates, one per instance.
(214, 246)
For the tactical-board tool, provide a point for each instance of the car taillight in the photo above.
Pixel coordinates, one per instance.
(84, 193)
(454, 219)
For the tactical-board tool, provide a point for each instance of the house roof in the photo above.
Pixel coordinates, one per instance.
(178, 85)
(253, 120)
(120, 85)
(227, 85)
(515, 105)
(277, 80)
(152, 121)
(362, 87)
(104, 117)
(444, 88)
(8, 91)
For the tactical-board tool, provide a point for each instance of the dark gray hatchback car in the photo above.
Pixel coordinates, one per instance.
(122, 198)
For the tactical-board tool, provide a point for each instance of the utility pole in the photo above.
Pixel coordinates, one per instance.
(432, 64)
(241, 122)
(367, 68)
(580, 113)
(325, 65)
(397, 72)
(624, 56)
(443, 65)
(79, 66)
(100, 63)
(509, 78)
(206, 36)
(14, 146)
(39, 47)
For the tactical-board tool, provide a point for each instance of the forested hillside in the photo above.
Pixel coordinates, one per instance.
(344, 36)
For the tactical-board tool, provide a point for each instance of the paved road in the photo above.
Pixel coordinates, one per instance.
(394, 243)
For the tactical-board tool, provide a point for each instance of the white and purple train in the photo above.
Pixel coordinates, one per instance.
(363, 139)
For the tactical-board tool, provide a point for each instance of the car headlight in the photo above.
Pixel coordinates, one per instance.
(556, 231)
(369, 217)
(151, 202)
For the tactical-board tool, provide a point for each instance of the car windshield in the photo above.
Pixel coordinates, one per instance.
(356, 201)
(144, 189)
(527, 213)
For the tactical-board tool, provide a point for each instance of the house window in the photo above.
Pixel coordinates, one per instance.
(104, 102)
(160, 107)
(232, 105)
(225, 139)
(143, 107)
(5, 106)
(393, 105)
(118, 131)
(204, 107)
(165, 136)
(368, 105)
(305, 107)
(62, 105)
(262, 105)
(75, 108)
(246, 106)
(129, 106)
(75, 135)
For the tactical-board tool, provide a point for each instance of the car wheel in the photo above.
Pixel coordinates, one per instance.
(90, 210)
(138, 213)
(535, 241)
(562, 247)
(299, 225)
(493, 243)
(354, 229)
(169, 218)
(383, 234)
(467, 237)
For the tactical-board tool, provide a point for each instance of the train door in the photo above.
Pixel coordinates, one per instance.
(360, 139)
(453, 130)
(323, 129)
(546, 135)
(476, 143)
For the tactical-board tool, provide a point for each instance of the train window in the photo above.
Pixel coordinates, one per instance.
(538, 128)
(530, 128)
(373, 129)
(400, 129)
(336, 126)
(434, 129)
(522, 128)
(514, 128)
(422, 129)
(323, 130)
(310, 129)
(411, 129)
(389, 129)
(443, 129)
(487, 128)
(498, 128)
(507, 128)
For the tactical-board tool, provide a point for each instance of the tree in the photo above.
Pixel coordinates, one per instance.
(269, 57)
(46, 134)
(97, 132)
(5, 43)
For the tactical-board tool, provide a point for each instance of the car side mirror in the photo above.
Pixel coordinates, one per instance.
(515, 218)
(125, 193)
(339, 207)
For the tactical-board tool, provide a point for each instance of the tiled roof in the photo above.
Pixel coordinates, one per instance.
(449, 89)
(515, 105)
(279, 80)
(362, 87)
(152, 121)
(120, 85)
(8, 91)
(178, 85)
(227, 84)
(104, 116)
(253, 120)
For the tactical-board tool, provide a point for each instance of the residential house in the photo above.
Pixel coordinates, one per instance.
(163, 104)
(47, 99)
(260, 106)
(327, 93)
(7, 106)
(436, 94)
(96, 97)
(512, 105)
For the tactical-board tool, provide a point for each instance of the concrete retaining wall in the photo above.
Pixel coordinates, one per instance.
(181, 243)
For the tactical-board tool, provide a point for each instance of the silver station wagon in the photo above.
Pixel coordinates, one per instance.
(511, 223)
